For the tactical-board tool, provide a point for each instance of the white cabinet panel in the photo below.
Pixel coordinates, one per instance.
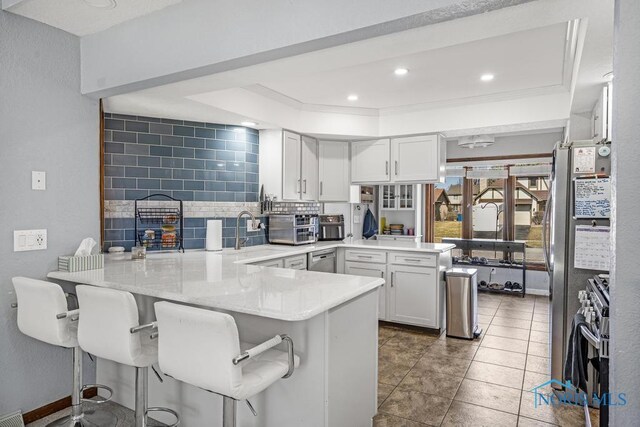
(309, 174)
(333, 158)
(413, 295)
(298, 262)
(415, 158)
(291, 166)
(370, 161)
(278, 263)
(365, 256)
(371, 270)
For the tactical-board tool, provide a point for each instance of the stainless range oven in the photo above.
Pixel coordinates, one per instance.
(293, 229)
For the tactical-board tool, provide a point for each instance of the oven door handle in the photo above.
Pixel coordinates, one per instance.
(593, 340)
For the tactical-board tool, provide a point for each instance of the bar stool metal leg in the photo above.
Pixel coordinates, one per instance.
(229, 406)
(142, 376)
(78, 417)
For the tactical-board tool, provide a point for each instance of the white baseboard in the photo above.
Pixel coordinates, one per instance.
(541, 292)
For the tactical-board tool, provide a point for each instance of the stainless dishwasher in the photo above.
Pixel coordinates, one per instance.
(323, 260)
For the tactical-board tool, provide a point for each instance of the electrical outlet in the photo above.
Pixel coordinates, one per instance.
(250, 227)
(29, 240)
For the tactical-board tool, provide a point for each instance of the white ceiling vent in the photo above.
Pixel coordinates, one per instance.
(476, 141)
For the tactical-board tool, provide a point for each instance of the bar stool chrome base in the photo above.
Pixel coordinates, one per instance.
(142, 409)
(89, 417)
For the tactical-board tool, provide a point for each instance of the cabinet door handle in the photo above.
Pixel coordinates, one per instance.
(396, 168)
(365, 256)
(392, 279)
(298, 187)
(321, 188)
(386, 167)
(304, 181)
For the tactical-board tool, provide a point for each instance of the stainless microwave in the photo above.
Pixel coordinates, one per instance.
(293, 229)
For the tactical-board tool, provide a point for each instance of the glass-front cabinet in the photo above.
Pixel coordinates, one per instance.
(397, 197)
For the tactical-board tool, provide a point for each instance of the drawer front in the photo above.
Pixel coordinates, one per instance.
(365, 256)
(271, 263)
(413, 258)
(298, 262)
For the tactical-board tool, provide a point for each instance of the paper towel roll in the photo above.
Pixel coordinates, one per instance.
(214, 235)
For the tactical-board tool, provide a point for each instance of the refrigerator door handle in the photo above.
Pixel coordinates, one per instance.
(546, 218)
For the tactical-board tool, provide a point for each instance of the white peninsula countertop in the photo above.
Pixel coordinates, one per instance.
(266, 252)
(215, 280)
(223, 280)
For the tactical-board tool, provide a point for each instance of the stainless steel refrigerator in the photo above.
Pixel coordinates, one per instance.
(559, 240)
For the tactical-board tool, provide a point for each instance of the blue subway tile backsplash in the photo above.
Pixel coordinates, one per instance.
(187, 160)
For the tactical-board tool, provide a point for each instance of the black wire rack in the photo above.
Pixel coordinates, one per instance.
(159, 227)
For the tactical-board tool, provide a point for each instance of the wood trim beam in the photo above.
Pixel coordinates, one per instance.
(53, 407)
(509, 228)
(429, 213)
(467, 208)
(488, 158)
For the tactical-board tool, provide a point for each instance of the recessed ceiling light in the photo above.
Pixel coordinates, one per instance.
(487, 77)
(352, 97)
(400, 71)
(102, 4)
(249, 124)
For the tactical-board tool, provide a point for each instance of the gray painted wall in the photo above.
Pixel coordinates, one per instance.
(46, 125)
(625, 292)
(507, 146)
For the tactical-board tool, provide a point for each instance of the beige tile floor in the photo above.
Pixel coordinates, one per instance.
(425, 379)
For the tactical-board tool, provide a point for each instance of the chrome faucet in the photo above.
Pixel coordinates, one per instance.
(253, 220)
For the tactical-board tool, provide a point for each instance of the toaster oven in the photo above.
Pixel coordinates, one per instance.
(293, 229)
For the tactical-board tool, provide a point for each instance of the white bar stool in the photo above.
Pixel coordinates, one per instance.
(202, 348)
(43, 314)
(109, 328)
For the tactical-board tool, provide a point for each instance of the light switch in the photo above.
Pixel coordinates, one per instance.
(38, 180)
(29, 240)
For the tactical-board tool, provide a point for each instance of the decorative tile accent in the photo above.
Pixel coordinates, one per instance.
(213, 168)
(291, 207)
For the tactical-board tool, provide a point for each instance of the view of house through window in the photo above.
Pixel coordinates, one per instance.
(531, 199)
(488, 212)
(448, 209)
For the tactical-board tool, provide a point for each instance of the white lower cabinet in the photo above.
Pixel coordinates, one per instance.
(371, 270)
(413, 295)
(279, 263)
(298, 262)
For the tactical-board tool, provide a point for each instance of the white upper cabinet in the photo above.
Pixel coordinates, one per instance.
(409, 159)
(415, 158)
(309, 173)
(370, 161)
(333, 157)
(291, 166)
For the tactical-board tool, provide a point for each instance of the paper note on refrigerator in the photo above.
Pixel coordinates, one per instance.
(592, 248)
(592, 198)
(584, 160)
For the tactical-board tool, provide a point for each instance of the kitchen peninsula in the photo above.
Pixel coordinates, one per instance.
(331, 318)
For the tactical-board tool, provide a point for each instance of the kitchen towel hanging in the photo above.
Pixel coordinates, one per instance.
(370, 225)
(214, 235)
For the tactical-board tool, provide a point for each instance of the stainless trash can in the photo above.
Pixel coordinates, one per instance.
(462, 303)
